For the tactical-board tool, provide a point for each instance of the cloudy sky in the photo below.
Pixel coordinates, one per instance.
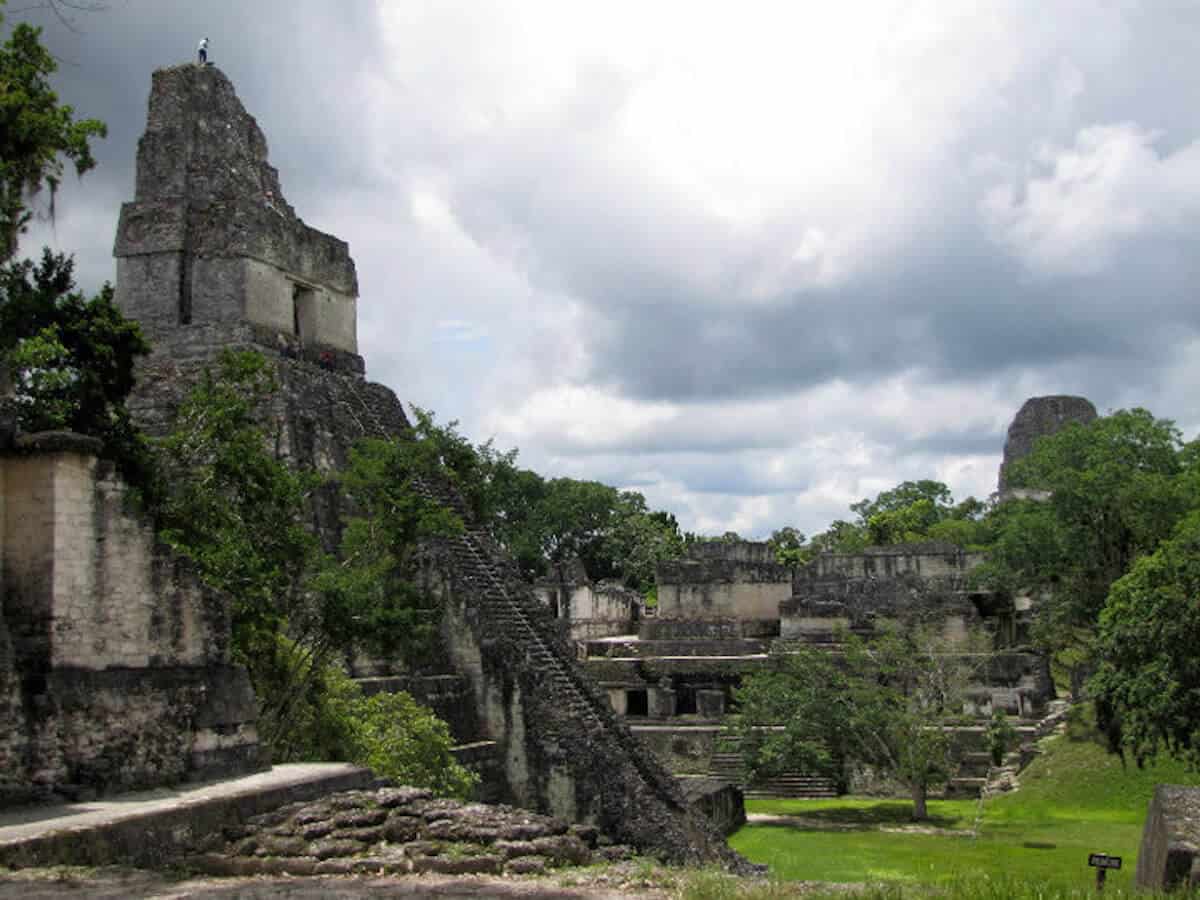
(756, 260)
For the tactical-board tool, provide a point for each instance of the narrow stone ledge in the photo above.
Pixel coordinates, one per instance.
(57, 442)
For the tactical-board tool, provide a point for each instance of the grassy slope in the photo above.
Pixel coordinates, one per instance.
(1075, 799)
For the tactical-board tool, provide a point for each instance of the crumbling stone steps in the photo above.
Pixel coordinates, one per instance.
(728, 766)
(801, 789)
(556, 667)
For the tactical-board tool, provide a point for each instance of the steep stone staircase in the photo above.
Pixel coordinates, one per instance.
(516, 615)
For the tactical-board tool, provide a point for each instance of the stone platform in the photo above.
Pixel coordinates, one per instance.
(148, 828)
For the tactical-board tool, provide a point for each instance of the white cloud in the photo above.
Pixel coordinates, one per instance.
(1084, 201)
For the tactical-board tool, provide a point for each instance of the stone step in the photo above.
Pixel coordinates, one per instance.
(965, 787)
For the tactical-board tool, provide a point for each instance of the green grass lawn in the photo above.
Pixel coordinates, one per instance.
(1075, 799)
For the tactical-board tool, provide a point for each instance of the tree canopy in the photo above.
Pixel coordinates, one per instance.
(37, 132)
(66, 361)
(1147, 685)
(69, 359)
(884, 703)
(1112, 489)
(547, 522)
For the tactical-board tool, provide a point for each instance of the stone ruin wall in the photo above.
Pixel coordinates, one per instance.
(191, 254)
(673, 683)
(721, 589)
(114, 661)
(588, 609)
(907, 582)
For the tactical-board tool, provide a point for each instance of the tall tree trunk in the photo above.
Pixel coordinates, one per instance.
(918, 799)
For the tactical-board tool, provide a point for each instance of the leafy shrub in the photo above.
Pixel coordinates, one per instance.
(397, 738)
(328, 718)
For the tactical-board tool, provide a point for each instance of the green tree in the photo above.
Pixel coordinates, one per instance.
(790, 546)
(1147, 685)
(69, 360)
(1116, 488)
(397, 738)
(573, 519)
(840, 537)
(37, 132)
(886, 703)
(235, 505)
(637, 542)
(921, 511)
(373, 596)
(237, 508)
(905, 495)
(66, 361)
(390, 734)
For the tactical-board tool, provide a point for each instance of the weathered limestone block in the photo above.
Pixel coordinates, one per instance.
(1169, 857)
(661, 702)
(722, 803)
(710, 703)
(590, 609)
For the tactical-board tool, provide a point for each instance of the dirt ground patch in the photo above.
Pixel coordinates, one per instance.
(812, 824)
(120, 883)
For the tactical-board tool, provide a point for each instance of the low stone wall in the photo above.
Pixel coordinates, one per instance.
(114, 658)
(738, 579)
(700, 647)
(1169, 857)
(712, 629)
(723, 803)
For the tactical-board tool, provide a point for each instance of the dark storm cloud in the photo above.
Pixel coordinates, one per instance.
(958, 306)
(1020, 223)
(956, 302)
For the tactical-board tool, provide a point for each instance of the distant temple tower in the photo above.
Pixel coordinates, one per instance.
(1039, 417)
(209, 254)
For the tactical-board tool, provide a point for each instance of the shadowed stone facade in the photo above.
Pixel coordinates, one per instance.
(731, 610)
(588, 609)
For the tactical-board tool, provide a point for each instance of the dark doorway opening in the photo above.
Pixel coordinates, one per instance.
(637, 703)
(685, 700)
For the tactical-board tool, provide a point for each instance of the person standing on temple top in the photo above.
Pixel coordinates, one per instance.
(202, 51)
